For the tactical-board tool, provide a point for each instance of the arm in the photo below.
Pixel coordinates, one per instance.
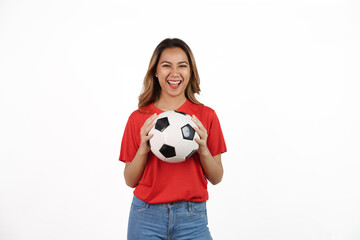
(134, 170)
(212, 165)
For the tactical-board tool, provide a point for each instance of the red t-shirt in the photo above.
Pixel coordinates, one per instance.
(164, 182)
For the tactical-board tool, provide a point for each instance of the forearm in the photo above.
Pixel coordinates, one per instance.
(212, 167)
(134, 170)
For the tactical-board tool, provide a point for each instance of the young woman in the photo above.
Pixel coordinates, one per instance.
(170, 198)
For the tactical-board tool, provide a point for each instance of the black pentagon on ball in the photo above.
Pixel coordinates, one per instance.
(188, 132)
(167, 151)
(185, 114)
(162, 124)
(193, 151)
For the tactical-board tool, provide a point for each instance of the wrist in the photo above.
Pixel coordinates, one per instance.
(204, 152)
(143, 150)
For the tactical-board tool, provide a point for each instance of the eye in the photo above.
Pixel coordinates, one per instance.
(165, 65)
(183, 66)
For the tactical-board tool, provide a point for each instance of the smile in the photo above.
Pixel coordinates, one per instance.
(174, 83)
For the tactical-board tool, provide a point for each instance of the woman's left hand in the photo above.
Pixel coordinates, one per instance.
(202, 132)
(212, 165)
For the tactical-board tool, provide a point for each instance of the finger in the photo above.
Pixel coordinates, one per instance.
(197, 130)
(149, 124)
(201, 143)
(195, 119)
(146, 129)
(151, 118)
(148, 137)
(200, 129)
(201, 139)
(154, 116)
(198, 140)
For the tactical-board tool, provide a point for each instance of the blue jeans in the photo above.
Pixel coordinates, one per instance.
(168, 221)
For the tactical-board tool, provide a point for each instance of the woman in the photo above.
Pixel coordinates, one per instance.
(170, 198)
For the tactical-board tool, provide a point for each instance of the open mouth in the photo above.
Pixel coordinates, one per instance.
(174, 84)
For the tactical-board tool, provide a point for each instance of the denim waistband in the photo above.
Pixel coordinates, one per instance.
(175, 204)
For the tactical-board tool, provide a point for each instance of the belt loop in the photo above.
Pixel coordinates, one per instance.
(189, 206)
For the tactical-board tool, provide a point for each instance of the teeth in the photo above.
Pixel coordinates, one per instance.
(174, 82)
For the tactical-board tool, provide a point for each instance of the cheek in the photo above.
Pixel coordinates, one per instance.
(162, 74)
(188, 77)
(186, 74)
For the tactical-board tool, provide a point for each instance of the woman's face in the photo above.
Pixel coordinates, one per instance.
(173, 72)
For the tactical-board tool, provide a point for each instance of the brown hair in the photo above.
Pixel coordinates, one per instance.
(151, 88)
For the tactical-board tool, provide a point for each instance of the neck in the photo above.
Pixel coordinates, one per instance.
(171, 103)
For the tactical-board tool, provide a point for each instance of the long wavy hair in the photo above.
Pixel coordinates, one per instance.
(151, 88)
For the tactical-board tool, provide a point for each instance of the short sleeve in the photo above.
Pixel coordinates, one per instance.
(130, 141)
(216, 142)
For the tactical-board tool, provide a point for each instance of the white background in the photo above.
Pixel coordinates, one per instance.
(283, 77)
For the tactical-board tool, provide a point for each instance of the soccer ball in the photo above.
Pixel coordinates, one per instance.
(174, 137)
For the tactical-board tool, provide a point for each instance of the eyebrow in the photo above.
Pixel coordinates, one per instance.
(177, 63)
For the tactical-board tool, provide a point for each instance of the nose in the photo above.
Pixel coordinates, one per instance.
(174, 72)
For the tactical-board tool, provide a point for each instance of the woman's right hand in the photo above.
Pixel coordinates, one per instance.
(133, 170)
(144, 133)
